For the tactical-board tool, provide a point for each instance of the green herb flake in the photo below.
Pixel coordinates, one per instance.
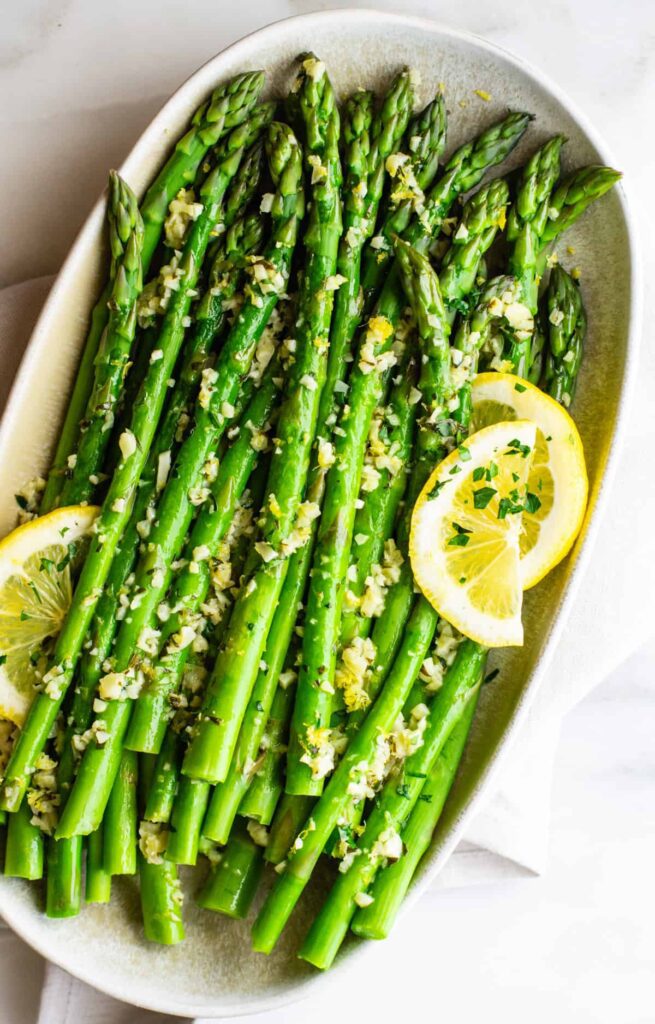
(520, 387)
(508, 507)
(532, 503)
(436, 490)
(465, 454)
(483, 496)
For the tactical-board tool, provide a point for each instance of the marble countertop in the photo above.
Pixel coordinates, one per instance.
(78, 82)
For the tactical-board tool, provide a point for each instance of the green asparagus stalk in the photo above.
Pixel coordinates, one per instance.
(243, 233)
(161, 795)
(376, 920)
(231, 885)
(425, 140)
(290, 815)
(229, 106)
(528, 217)
(397, 799)
(571, 198)
(161, 902)
(261, 797)
(374, 520)
(191, 587)
(98, 881)
(369, 141)
(567, 326)
(227, 795)
(210, 751)
(111, 362)
(23, 846)
(192, 795)
(120, 820)
(335, 799)
(116, 508)
(175, 508)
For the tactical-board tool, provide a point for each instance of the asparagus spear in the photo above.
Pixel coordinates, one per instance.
(116, 508)
(529, 215)
(175, 509)
(229, 106)
(161, 901)
(98, 881)
(261, 797)
(391, 449)
(243, 233)
(231, 886)
(369, 140)
(335, 799)
(315, 684)
(396, 800)
(375, 920)
(24, 846)
(126, 239)
(163, 787)
(290, 815)
(210, 751)
(572, 197)
(189, 592)
(425, 140)
(364, 154)
(567, 326)
(120, 820)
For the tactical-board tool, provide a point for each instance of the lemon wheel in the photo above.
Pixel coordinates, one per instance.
(465, 541)
(36, 565)
(558, 474)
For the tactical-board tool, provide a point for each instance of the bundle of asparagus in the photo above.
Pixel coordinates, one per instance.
(284, 353)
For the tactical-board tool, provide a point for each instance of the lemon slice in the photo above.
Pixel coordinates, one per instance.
(466, 533)
(558, 475)
(36, 588)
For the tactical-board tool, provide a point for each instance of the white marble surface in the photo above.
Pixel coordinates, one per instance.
(78, 81)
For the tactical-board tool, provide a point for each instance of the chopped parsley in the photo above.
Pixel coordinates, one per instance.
(483, 495)
(532, 503)
(508, 507)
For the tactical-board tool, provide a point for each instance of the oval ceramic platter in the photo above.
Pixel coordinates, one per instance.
(214, 973)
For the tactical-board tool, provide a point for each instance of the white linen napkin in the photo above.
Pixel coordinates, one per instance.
(510, 836)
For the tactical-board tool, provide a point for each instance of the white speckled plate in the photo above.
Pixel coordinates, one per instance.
(214, 973)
